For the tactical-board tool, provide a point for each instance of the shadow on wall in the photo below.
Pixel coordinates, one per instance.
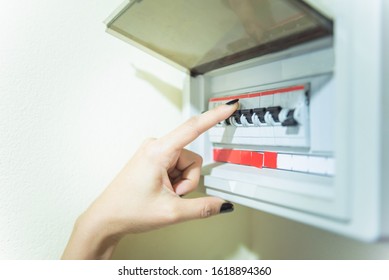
(279, 238)
(173, 94)
(221, 237)
(246, 234)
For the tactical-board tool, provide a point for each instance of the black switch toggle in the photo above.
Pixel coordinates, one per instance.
(274, 112)
(260, 112)
(247, 113)
(235, 117)
(290, 121)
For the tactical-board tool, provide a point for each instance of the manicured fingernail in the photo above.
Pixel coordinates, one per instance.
(232, 102)
(226, 207)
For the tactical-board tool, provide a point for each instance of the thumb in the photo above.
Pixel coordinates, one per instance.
(203, 207)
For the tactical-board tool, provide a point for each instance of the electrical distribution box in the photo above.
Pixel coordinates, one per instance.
(307, 140)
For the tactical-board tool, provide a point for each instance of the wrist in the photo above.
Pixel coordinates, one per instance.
(93, 237)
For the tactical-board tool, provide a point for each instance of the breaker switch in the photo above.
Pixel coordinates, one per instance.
(245, 117)
(289, 119)
(258, 116)
(235, 118)
(274, 112)
(247, 113)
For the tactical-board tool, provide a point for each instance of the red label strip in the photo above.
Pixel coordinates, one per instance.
(256, 94)
(243, 157)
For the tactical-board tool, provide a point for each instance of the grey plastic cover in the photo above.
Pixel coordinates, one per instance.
(202, 35)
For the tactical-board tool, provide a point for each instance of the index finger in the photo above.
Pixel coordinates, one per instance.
(195, 126)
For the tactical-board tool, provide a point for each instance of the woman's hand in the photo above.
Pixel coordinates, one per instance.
(145, 195)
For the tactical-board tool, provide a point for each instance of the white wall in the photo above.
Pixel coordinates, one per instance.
(74, 105)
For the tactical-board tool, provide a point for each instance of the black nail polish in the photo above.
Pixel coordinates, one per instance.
(232, 102)
(226, 207)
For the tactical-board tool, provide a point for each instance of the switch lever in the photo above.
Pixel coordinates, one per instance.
(274, 112)
(258, 116)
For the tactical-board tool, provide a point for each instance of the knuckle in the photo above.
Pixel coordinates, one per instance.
(199, 159)
(150, 148)
(147, 144)
(206, 211)
(194, 156)
(193, 125)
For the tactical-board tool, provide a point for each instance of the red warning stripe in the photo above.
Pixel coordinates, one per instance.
(256, 94)
(242, 157)
(270, 160)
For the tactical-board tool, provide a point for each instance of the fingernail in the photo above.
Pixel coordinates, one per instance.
(226, 207)
(232, 102)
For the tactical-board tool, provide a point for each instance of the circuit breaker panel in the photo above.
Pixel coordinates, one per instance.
(307, 142)
(276, 152)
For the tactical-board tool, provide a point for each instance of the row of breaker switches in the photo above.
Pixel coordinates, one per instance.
(265, 116)
(277, 117)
